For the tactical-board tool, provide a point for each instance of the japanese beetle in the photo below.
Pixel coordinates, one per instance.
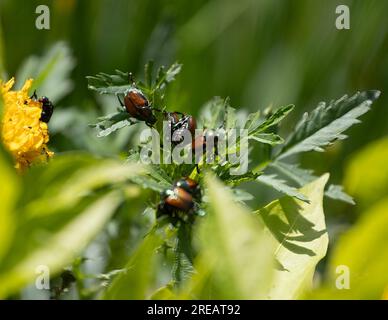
(138, 106)
(190, 186)
(47, 107)
(179, 199)
(200, 142)
(200, 145)
(179, 123)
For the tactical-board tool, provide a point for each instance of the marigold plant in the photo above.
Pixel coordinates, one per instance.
(23, 133)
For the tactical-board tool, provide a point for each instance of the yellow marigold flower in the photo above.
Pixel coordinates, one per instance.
(23, 134)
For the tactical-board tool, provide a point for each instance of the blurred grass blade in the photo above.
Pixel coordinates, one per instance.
(51, 72)
(366, 174)
(2, 58)
(300, 232)
(62, 247)
(79, 184)
(236, 260)
(8, 194)
(135, 282)
(362, 251)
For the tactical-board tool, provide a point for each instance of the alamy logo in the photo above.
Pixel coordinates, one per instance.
(202, 146)
(42, 281)
(343, 18)
(343, 277)
(42, 22)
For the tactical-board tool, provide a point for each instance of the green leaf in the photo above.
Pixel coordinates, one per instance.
(304, 176)
(164, 293)
(212, 113)
(183, 263)
(336, 192)
(230, 118)
(235, 180)
(327, 123)
(113, 122)
(61, 247)
(103, 83)
(300, 233)
(165, 77)
(156, 179)
(148, 72)
(281, 186)
(51, 72)
(135, 282)
(255, 123)
(267, 138)
(236, 255)
(147, 182)
(362, 251)
(257, 127)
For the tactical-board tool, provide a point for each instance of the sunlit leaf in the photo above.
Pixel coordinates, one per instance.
(300, 232)
(236, 260)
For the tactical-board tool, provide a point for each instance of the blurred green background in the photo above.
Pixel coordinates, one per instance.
(257, 52)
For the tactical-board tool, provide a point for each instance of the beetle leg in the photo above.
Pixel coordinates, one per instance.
(34, 95)
(121, 103)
